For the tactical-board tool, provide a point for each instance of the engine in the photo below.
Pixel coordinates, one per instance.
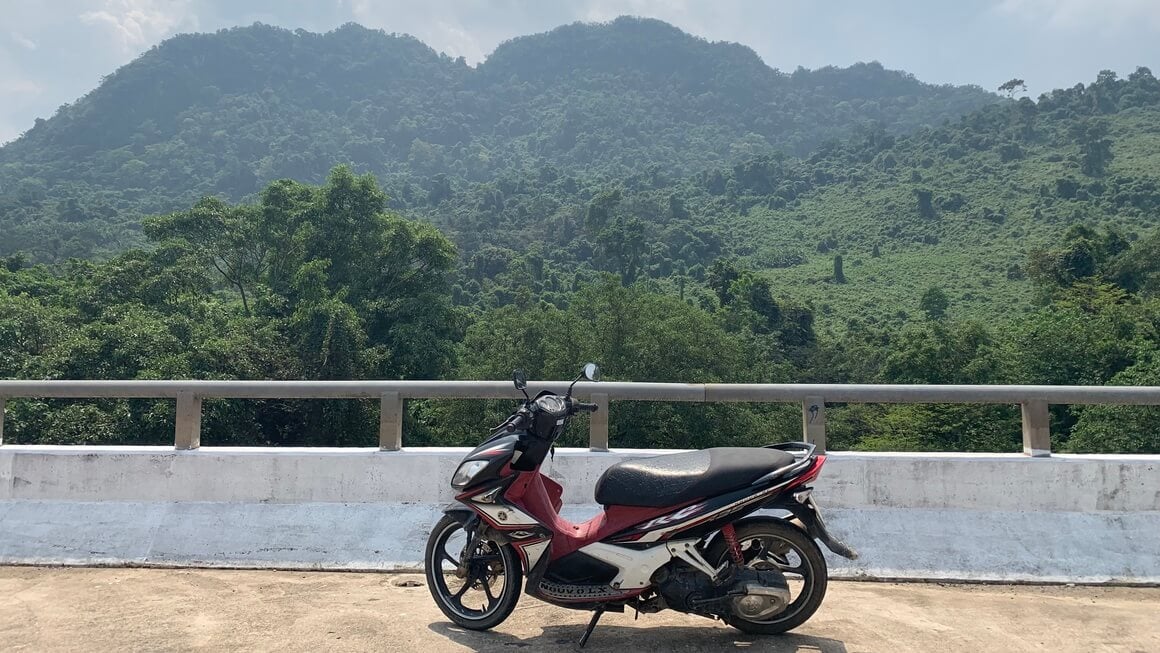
(748, 593)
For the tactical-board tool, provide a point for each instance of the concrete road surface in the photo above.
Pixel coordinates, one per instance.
(54, 609)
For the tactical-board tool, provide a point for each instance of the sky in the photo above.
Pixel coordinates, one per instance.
(54, 51)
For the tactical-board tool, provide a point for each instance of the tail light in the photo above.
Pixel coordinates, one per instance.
(810, 474)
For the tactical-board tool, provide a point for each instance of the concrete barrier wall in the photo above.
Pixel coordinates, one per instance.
(945, 516)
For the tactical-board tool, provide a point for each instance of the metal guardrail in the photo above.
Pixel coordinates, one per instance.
(1034, 399)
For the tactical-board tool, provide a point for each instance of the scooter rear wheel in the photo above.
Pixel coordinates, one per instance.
(490, 578)
(775, 543)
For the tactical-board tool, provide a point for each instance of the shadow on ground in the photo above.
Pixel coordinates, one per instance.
(711, 637)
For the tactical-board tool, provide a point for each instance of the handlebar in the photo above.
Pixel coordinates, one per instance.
(523, 417)
(585, 407)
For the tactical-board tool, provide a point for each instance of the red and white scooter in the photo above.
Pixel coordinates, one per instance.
(677, 531)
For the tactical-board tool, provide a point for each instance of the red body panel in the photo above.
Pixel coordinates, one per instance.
(555, 492)
(539, 496)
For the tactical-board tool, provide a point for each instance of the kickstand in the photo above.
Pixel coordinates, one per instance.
(591, 625)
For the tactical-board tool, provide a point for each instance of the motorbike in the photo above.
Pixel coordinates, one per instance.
(677, 531)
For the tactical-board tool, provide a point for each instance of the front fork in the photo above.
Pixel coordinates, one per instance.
(471, 527)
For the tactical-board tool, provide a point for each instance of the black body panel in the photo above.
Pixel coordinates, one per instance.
(675, 479)
(497, 451)
(578, 568)
(533, 450)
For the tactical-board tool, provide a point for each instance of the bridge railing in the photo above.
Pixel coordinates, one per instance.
(813, 398)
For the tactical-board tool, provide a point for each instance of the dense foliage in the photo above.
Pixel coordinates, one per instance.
(623, 193)
(227, 113)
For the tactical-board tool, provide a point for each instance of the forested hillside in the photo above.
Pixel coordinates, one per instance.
(227, 113)
(960, 207)
(624, 193)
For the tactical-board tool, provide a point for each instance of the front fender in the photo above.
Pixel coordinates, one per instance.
(459, 512)
(472, 523)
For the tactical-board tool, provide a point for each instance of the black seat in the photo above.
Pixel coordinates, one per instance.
(682, 477)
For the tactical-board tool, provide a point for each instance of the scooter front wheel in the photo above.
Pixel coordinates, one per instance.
(478, 588)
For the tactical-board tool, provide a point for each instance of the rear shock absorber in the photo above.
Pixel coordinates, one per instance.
(730, 536)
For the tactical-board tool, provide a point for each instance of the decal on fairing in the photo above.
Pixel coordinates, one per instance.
(533, 551)
(683, 513)
(505, 516)
(661, 533)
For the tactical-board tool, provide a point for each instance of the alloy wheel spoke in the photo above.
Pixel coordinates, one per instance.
(781, 561)
(800, 570)
(467, 583)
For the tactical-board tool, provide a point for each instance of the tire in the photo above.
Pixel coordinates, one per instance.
(810, 560)
(492, 560)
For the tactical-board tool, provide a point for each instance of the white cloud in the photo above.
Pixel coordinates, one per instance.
(8, 132)
(449, 26)
(18, 94)
(458, 42)
(20, 89)
(1111, 15)
(22, 40)
(605, 10)
(135, 24)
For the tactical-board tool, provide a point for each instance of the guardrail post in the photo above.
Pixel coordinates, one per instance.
(598, 423)
(814, 422)
(188, 435)
(2, 400)
(390, 422)
(1036, 428)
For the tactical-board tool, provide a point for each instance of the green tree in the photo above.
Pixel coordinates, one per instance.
(934, 303)
(1121, 429)
(1095, 148)
(943, 352)
(1010, 86)
(602, 323)
(221, 237)
(720, 279)
(925, 199)
(1077, 340)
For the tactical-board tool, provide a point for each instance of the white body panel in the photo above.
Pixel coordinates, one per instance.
(636, 566)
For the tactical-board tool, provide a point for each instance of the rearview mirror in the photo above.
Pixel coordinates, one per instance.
(592, 372)
(519, 379)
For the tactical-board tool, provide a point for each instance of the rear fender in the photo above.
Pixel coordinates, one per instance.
(796, 523)
(806, 515)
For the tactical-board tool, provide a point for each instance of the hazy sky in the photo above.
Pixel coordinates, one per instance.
(54, 51)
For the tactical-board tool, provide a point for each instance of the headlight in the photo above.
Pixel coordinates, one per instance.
(552, 404)
(466, 472)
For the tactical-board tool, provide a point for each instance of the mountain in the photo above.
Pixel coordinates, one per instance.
(226, 113)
